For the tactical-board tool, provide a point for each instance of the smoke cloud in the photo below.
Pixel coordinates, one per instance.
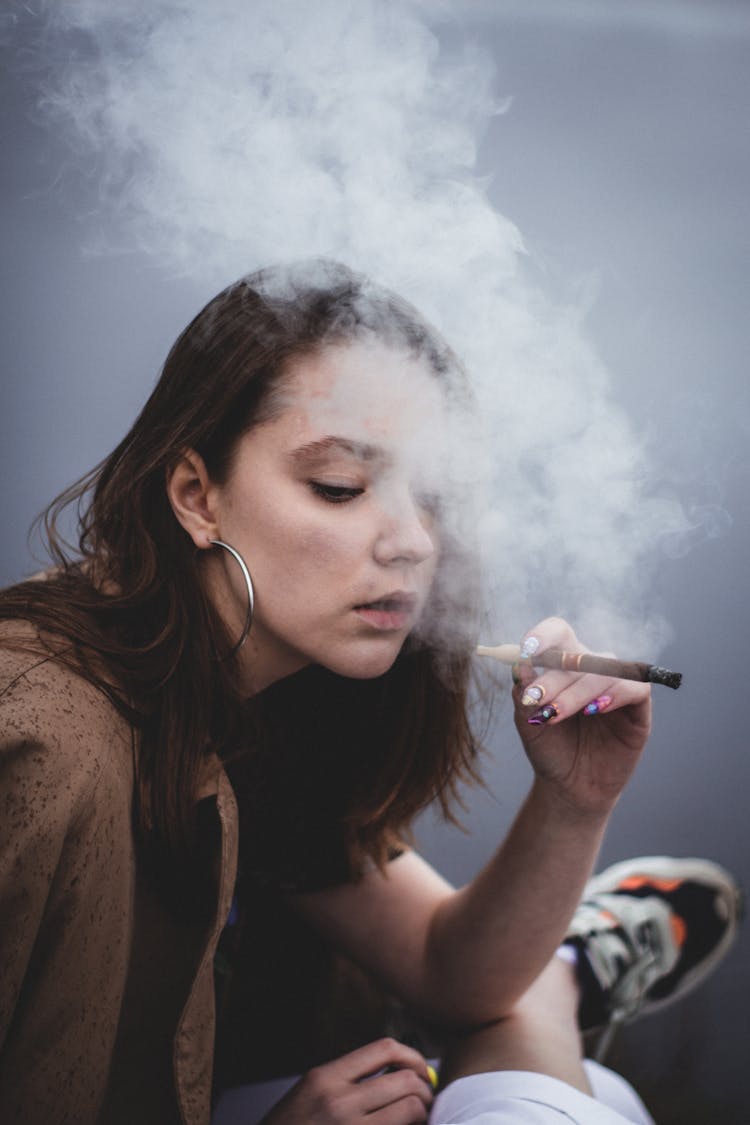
(225, 136)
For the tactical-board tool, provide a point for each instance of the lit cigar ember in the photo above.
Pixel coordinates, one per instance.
(586, 662)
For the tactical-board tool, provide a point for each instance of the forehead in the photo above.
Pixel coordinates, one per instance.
(368, 392)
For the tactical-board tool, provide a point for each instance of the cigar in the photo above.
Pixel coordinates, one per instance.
(586, 662)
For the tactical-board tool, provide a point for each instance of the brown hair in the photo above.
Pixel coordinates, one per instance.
(130, 604)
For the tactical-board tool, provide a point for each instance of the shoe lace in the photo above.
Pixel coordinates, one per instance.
(628, 996)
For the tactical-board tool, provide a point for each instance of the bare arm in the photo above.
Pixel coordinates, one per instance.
(465, 956)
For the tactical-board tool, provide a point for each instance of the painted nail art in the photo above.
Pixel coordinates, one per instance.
(597, 705)
(533, 694)
(529, 647)
(543, 715)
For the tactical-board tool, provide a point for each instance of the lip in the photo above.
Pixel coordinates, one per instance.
(391, 613)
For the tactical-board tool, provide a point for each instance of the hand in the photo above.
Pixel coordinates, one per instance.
(586, 759)
(358, 1086)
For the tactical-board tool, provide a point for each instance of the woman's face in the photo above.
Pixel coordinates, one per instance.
(328, 502)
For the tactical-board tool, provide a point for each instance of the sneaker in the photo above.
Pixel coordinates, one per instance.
(650, 930)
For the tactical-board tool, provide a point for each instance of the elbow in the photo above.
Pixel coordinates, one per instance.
(462, 1010)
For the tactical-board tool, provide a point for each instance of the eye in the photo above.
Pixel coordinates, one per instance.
(430, 502)
(335, 493)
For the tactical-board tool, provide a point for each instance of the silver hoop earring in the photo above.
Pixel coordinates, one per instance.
(250, 592)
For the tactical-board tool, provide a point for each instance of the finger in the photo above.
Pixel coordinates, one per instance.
(578, 689)
(409, 1111)
(597, 706)
(549, 686)
(393, 1086)
(536, 685)
(552, 632)
(568, 700)
(542, 687)
(607, 694)
(376, 1056)
(522, 673)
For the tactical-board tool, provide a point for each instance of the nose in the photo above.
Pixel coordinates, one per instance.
(406, 534)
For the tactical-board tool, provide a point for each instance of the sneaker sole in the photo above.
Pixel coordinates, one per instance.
(700, 870)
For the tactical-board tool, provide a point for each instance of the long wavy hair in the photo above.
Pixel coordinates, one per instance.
(127, 608)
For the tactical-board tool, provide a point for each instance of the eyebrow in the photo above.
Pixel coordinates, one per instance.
(363, 451)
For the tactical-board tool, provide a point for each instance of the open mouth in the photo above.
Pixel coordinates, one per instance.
(392, 612)
(394, 604)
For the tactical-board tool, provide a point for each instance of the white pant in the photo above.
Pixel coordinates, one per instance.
(507, 1097)
(516, 1097)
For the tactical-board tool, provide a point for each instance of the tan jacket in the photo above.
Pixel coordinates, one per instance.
(106, 1003)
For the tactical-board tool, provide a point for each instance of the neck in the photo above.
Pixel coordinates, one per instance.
(261, 665)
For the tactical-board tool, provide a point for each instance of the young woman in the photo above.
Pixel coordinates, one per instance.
(262, 648)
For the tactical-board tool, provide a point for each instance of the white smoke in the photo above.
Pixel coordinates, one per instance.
(228, 135)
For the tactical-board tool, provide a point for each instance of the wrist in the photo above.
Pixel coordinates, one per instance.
(553, 802)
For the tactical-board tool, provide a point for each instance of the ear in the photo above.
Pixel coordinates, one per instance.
(193, 497)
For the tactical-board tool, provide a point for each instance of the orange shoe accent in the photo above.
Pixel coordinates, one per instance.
(679, 929)
(634, 882)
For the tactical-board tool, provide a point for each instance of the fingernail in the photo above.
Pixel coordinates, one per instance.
(432, 1075)
(543, 715)
(529, 647)
(532, 695)
(597, 705)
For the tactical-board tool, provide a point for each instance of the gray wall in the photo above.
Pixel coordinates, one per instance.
(625, 161)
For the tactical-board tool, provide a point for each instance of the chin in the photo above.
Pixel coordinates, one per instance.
(366, 665)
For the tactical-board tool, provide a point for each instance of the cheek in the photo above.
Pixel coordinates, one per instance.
(306, 572)
(306, 546)
(330, 545)
(290, 538)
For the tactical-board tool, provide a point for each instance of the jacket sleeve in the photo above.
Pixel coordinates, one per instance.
(65, 895)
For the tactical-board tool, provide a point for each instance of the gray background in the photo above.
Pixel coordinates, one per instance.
(625, 161)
